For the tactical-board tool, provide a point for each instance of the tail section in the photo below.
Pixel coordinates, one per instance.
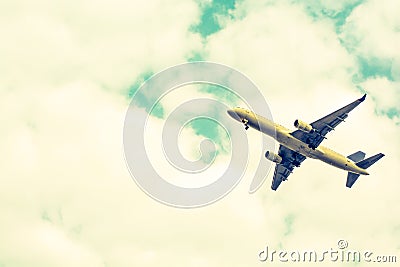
(352, 177)
(369, 161)
(356, 157)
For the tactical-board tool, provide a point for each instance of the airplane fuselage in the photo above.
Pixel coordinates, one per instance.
(284, 137)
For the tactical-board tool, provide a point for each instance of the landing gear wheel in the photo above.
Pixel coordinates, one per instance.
(245, 121)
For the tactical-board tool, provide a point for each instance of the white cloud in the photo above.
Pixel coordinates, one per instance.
(372, 29)
(110, 42)
(386, 94)
(282, 49)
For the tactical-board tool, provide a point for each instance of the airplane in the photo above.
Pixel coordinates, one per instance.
(296, 146)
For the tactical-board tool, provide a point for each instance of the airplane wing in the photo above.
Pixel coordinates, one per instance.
(325, 125)
(290, 159)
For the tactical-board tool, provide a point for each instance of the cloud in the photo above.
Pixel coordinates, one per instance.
(300, 51)
(371, 34)
(372, 29)
(386, 95)
(110, 42)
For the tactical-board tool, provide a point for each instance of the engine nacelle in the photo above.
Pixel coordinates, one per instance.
(273, 157)
(303, 126)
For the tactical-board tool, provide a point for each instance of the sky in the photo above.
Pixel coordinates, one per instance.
(69, 70)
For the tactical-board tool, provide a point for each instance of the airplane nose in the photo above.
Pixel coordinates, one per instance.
(233, 114)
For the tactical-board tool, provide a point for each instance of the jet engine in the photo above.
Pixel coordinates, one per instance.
(303, 126)
(273, 157)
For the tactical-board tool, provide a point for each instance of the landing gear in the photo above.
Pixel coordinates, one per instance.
(296, 163)
(245, 124)
(309, 142)
(311, 146)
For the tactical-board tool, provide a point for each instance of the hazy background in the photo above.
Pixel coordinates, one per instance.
(68, 70)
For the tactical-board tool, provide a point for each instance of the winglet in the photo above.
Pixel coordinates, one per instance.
(363, 97)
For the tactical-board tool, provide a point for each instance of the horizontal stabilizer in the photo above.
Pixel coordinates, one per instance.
(351, 179)
(356, 157)
(369, 161)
